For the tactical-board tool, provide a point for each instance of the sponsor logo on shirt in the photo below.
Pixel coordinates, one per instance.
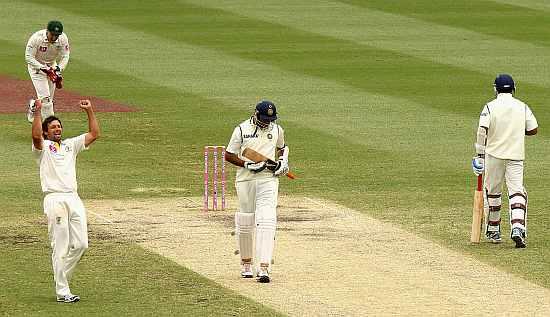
(248, 136)
(43, 48)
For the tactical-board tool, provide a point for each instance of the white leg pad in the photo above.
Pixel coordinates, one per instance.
(493, 216)
(518, 211)
(244, 232)
(265, 239)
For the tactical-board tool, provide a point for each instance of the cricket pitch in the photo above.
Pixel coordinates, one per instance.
(329, 260)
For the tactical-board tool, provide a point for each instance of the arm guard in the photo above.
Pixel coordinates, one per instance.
(284, 154)
(481, 141)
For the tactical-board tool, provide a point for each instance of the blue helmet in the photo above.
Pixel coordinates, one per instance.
(266, 111)
(504, 83)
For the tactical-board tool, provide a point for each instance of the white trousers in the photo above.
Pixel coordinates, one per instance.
(68, 233)
(496, 172)
(260, 197)
(45, 91)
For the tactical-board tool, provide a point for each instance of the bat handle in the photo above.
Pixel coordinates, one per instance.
(479, 182)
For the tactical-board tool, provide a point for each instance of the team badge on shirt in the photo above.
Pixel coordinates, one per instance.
(54, 147)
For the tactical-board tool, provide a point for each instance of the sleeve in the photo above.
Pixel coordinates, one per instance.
(485, 117)
(281, 139)
(78, 143)
(65, 52)
(235, 143)
(530, 120)
(30, 53)
(36, 153)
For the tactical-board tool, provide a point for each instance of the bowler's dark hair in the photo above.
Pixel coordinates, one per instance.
(46, 122)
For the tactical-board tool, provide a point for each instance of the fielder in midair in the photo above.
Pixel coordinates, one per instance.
(67, 224)
(500, 149)
(257, 185)
(47, 56)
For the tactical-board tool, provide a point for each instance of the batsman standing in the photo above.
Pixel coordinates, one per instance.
(500, 148)
(257, 185)
(47, 55)
(67, 224)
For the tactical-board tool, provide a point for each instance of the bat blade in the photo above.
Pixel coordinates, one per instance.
(258, 157)
(477, 212)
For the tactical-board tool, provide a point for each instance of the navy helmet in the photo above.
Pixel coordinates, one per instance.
(504, 83)
(266, 111)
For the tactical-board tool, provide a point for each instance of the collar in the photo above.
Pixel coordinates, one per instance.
(504, 95)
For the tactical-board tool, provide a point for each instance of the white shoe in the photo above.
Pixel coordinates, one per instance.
(68, 298)
(30, 111)
(493, 236)
(263, 276)
(246, 270)
(518, 236)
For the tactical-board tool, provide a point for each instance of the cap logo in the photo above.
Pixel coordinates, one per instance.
(269, 111)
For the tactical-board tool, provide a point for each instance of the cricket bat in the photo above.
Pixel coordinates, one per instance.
(258, 157)
(477, 213)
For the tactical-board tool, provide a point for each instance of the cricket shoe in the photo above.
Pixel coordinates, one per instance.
(494, 236)
(518, 236)
(263, 276)
(246, 270)
(70, 298)
(30, 111)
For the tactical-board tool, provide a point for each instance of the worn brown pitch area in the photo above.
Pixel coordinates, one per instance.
(15, 95)
(329, 260)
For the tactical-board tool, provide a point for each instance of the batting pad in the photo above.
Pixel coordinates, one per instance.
(518, 211)
(244, 232)
(265, 240)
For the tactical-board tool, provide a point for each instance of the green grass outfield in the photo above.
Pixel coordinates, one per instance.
(379, 99)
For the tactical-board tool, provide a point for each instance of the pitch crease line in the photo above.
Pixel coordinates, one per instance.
(101, 217)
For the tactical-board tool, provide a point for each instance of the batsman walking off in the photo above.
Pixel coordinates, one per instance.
(257, 185)
(500, 148)
(47, 55)
(67, 224)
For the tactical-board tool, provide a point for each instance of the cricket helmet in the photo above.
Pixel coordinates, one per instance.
(266, 111)
(504, 83)
(55, 27)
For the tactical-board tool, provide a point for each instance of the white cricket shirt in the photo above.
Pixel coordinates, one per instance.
(58, 164)
(40, 53)
(264, 141)
(507, 119)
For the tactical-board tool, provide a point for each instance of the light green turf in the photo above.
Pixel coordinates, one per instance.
(399, 30)
(379, 107)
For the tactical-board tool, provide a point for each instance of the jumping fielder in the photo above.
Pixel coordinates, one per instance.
(67, 224)
(500, 149)
(257, 186)
(47, 55)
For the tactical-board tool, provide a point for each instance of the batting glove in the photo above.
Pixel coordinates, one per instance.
(282, 168)
(478, 165)
(255, 167)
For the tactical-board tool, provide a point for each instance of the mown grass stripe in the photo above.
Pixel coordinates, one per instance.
(237, 82)
(407, 35)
